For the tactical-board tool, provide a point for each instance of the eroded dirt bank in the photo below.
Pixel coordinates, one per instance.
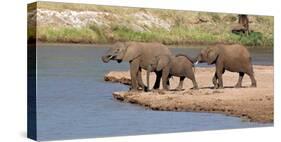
(254, 104)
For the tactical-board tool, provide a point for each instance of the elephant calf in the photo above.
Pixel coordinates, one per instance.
(234, 58)
(179, 66)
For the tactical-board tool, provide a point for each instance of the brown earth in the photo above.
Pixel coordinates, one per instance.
(253, 104)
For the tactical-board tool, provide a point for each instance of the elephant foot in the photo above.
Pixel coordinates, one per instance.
(195, 88)
(179, 89)
(166, 89)
(148, 90)
(156, 87)
(154, 90)
(220, 87)
(238, 86)
(216, 86)
(254, 85)
(145, 89)
(134, 89)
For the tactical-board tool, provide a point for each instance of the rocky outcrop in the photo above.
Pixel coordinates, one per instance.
(142, 21)
(118, 77)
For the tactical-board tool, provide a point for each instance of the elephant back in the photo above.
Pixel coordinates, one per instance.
(187, 57)
(156, 48)
(152, 50)
(237, 51)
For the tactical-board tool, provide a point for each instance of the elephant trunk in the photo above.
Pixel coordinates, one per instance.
(106, 58)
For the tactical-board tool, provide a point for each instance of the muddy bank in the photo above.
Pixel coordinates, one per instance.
(253, 104)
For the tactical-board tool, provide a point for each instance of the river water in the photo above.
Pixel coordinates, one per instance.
(73, 101)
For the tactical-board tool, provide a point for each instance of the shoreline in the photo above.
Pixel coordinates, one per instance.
(251, 104)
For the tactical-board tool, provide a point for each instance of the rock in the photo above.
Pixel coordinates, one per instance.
(118, 77)
(143, 21)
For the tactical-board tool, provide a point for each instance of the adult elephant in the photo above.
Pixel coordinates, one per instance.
(140, 55)
(234, 58)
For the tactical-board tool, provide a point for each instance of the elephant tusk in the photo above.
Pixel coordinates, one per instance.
(110, 57)
(196, 62)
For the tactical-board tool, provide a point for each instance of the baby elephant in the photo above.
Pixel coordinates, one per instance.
(181, 66)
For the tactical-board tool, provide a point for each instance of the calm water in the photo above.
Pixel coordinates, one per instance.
(75, 102)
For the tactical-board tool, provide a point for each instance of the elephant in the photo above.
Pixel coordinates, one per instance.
(180, 66)
(139, 56)
(234, 58)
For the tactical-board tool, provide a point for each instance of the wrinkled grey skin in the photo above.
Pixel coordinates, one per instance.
(179, 66)
(156, 64)
(139, 55)
(234, 58)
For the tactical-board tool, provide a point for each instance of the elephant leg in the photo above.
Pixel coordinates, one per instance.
(220, 80)
(147, 77)
(195, 85)
(158, 78)
(140, 82)
(192, 78)
(215, 81)
(253, 80)
(165, 75)
(219, 72)
(239, 83)
(168, 80)
(134, 69)
(179, 88)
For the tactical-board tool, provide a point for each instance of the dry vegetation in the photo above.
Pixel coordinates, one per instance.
(86, 23)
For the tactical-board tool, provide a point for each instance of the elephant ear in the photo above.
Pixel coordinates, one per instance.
(163, 61)
(212, 55)
(132, 51)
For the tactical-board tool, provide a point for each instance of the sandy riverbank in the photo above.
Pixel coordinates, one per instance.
(254, 104)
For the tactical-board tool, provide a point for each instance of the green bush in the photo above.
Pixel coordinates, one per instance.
(256, 39)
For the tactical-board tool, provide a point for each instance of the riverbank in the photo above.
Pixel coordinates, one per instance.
(86, 23)
(253, 104)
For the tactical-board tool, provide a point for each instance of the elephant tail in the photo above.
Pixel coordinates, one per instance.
(187, 57)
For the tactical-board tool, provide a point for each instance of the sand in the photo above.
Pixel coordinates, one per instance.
(253, 104)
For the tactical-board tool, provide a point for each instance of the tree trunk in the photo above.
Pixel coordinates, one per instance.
(244, 21)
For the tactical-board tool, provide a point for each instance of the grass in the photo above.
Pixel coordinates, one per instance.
(185, 30)
(67, 34)
(177, 35)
